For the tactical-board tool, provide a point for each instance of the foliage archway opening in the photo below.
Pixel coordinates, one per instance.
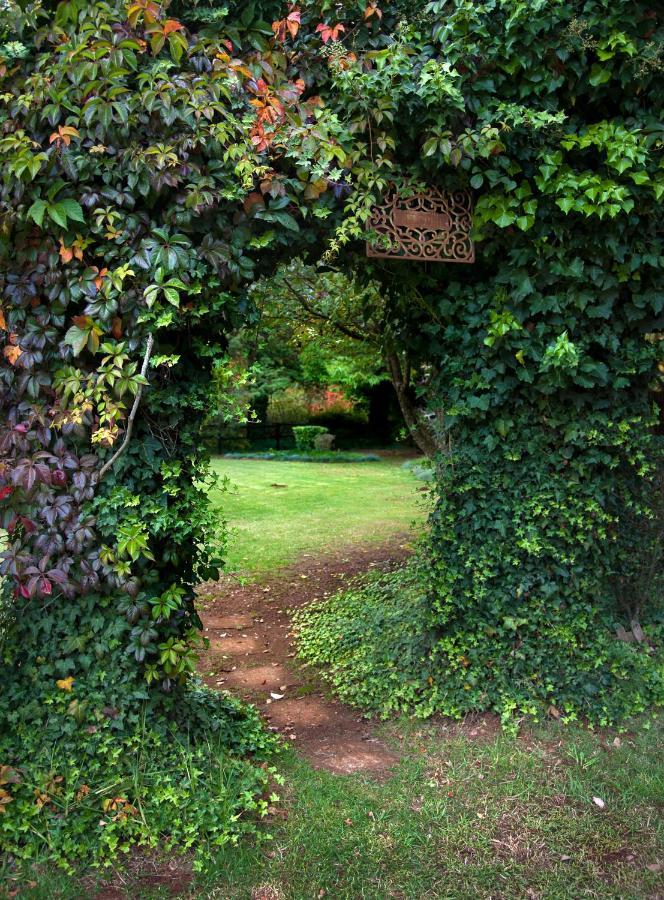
(157, 160)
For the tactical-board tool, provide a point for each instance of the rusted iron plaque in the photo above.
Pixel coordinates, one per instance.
(433, 227)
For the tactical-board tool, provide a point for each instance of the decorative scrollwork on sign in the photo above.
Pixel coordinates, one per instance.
(433, 226)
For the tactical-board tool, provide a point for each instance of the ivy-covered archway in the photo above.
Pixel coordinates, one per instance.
(154, 161)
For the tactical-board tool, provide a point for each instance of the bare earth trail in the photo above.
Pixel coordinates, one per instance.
(252, 656)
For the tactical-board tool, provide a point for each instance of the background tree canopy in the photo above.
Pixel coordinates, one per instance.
(155, 161)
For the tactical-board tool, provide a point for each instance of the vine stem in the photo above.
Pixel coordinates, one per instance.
(132, 415)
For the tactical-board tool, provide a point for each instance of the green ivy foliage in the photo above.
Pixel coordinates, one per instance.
(542, 359)
(372, 643)
(151, 166)
(95, 762)
(548, 351)
(128, 146)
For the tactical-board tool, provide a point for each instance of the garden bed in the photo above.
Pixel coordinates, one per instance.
(320, 456)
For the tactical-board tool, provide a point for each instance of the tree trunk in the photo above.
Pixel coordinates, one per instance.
(418, 425)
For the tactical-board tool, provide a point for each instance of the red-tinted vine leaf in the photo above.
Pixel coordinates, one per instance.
(289, 25)
(329, 32)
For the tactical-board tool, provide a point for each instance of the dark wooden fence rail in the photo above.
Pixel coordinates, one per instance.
(277, 434)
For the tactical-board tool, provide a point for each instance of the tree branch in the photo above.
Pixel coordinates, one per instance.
(344, 329)
(132, 415)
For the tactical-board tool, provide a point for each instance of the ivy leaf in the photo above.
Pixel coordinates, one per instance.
(64, 210)
(599, 75)
(83, 333)
(36, 212)
(504, 219)
(279, 216)
(430, 146)
(565, 203)
(76, 338)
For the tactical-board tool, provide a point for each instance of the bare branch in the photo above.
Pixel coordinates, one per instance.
(344, 329)
(132, 415)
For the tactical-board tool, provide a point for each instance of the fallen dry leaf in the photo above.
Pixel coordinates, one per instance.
(599, 802)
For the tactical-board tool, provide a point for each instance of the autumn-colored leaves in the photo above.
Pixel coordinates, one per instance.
(329, 32)
(270, 108)
(268, 103)
(290, 24)
(11, 351)
(63, 135)
(8, 775)
(158, 30)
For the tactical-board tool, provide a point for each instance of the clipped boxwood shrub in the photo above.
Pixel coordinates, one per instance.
(305, 436)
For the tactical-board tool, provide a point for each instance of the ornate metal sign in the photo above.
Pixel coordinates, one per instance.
(433, 227)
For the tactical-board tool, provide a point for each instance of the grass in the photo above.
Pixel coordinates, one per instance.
(279, 511)
(466, 817)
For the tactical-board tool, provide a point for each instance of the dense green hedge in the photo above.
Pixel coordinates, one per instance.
(547, 355)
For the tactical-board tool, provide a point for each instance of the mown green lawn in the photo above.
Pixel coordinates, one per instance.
(278, 511)
(463, 817)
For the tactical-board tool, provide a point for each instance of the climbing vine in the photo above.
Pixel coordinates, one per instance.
(542, 362)
(156, 158)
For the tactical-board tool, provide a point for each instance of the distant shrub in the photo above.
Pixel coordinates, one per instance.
(320, 456)
(323, 441)
(305, 436)
(288, 406)
(334, 418)
(331, 402)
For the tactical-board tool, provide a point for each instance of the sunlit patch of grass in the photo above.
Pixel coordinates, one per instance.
(280, 511)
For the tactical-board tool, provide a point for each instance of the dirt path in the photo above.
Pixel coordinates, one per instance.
(251, 655)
